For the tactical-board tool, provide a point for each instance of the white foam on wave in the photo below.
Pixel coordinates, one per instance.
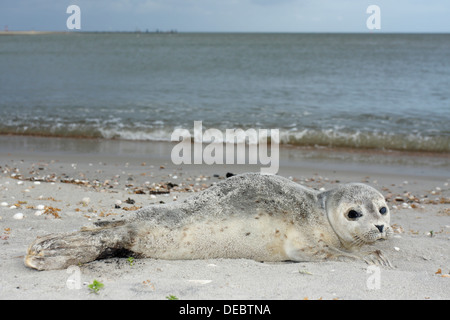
(337, 136)
(155, 135)
(238, 136)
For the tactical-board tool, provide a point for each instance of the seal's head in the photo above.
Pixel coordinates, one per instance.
(358, 214)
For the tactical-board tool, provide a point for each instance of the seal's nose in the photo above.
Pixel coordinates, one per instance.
(380, 227)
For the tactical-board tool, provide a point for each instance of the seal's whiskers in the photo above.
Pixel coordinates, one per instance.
(357, 242)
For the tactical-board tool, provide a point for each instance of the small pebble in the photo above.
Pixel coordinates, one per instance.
(118, 202)
(396, 248)
(39, 212)
(37, 182)
(40, 207)
(4, 204)
(199, 281)
(85, 201)
(18, 216)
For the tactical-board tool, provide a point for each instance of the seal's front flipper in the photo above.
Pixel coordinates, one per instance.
(59, 251)
(378, 258)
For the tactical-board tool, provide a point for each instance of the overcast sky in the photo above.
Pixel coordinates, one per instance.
(228, 15)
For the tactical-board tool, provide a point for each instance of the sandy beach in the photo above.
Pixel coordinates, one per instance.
(58, 185)
(46, 192)
(109, 108)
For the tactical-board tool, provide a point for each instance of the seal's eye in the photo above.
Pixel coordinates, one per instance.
(383, 210)
(352, 214)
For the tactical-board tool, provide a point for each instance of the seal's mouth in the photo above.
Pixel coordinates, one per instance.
(367, 238)
(371, 236)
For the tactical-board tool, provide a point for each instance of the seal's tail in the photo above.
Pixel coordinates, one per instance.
(59, 251)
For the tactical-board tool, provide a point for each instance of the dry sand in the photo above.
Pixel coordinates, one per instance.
(418, 195)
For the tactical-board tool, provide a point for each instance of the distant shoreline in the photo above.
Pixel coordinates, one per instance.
(171, 32)
(33, 32)
(30, 32)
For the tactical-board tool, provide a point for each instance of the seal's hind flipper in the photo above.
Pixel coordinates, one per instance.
(59, 251)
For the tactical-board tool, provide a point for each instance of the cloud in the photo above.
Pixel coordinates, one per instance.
(229, 15)
(272, 2)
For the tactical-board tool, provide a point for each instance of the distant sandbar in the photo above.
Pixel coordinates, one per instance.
(30, 32)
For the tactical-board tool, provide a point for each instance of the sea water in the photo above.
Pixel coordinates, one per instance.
(381, 91)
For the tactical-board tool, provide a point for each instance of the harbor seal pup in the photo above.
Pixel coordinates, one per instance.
(252, 216)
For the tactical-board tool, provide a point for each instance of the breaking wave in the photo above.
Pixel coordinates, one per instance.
(341, 138)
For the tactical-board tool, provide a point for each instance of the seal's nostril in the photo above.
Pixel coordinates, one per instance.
(380, 227)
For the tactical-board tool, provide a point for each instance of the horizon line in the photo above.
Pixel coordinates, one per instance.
(175, 31)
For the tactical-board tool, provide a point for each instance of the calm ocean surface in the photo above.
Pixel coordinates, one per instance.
(341, 90)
